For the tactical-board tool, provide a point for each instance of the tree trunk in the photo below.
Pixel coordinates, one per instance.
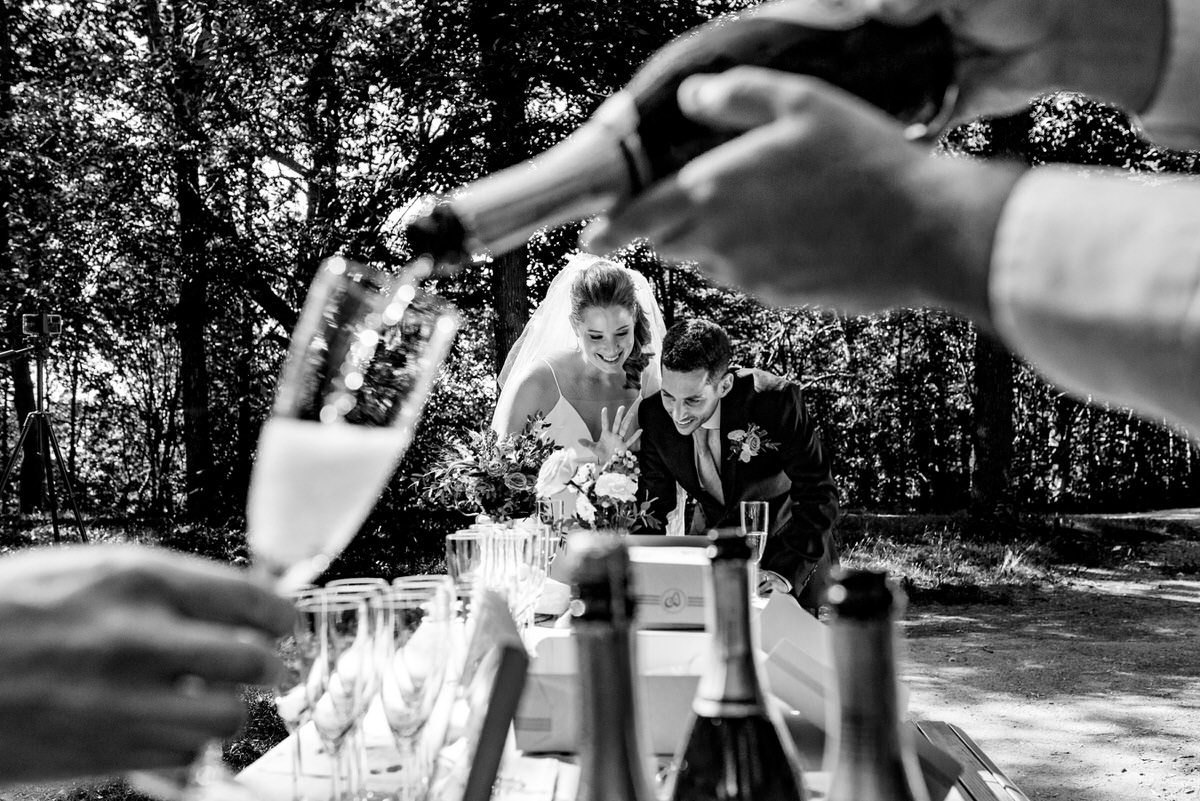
(992, 399)
(497, 24)
(186, 91)
(247, 423)
(510, 294)
(1061, 457)
(31, 478)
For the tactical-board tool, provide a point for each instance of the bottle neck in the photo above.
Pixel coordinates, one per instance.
(869, 751)
(729, 685)
(610, 755)
(587, 173)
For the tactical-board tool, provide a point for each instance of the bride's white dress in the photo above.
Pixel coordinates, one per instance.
(565, 424)
(566, 427)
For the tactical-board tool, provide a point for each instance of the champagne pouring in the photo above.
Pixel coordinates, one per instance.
(639, 135)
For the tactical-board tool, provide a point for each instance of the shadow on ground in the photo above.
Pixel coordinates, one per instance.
(1088, 688)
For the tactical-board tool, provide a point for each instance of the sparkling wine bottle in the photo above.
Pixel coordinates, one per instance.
(867, 754)
(736, 747)
(610, 754)
(639, 135)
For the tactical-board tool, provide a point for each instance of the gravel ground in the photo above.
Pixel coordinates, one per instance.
(1087, 690)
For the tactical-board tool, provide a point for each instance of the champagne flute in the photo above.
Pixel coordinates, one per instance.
(413, 675)
(362, 360)
(299, 651)
(374, 591)
(348, 664)
(464, 555)
(755, 524)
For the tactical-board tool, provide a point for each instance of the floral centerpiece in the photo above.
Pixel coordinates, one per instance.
(489, 474)
(605, 494)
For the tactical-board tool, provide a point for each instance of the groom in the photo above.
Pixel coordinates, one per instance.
(728, 436)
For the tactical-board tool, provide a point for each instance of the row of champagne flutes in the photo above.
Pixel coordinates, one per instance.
(511, 559)
(364, 642)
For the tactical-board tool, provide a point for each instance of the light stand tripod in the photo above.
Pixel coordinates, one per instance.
(37, 422)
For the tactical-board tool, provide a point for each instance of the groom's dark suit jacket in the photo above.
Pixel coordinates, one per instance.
(794, 477)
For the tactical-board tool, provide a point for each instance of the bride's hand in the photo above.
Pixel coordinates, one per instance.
(616, 438)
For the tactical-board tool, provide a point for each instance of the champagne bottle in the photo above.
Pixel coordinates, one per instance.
(867, 754)
(639, 135)
(736, 746)
(611, 764)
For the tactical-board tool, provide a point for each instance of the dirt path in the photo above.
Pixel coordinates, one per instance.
(1087, 690)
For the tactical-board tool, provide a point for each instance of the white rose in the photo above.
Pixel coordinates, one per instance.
(556, 471)
(617, 486)
(584, 476)
(585, 511)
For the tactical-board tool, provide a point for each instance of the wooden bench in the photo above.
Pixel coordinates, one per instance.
(981, 779)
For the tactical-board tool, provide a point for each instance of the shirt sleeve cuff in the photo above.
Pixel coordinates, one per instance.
(1173, 116)
(1094, 280)
(787, 585)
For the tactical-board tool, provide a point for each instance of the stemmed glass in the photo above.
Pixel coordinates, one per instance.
(414, 673)
(509, 559)
(552, 514)
(754, 528)
(295, 693)
(464, 555)
(349, 668)
(362, 360)
(374, 591)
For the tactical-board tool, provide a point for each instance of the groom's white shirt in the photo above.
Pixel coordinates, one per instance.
(714, 422)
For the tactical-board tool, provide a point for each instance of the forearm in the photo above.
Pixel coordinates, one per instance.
(1096, 280)
(1115, 50)
(1172, 117)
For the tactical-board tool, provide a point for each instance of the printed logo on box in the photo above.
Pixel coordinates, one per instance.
(673, 601)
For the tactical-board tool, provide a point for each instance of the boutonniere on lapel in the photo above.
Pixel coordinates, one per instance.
(750, 442)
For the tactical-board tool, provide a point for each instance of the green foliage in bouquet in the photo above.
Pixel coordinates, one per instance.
(605, 495)
(489, 474)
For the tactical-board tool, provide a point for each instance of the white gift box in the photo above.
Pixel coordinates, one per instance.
(669, 664)
(668, 586)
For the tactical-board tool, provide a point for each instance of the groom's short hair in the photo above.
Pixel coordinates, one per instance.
(697, 344)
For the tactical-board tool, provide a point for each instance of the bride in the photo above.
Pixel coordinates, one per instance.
(587, 357)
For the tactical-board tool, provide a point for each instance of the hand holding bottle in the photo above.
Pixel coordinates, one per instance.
(823, 200)
(1010, 50)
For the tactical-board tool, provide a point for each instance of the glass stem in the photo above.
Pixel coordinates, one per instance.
(297, 765)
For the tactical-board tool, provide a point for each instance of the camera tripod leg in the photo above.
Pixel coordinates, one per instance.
(43, 435)
(66, 481)
(46, 440)
(16, 454)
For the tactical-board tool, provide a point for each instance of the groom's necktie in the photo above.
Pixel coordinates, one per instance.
(708, 444)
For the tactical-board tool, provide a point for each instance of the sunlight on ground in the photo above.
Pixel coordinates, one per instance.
(1091, 692)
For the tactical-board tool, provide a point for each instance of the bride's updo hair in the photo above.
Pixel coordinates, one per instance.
(604, 284)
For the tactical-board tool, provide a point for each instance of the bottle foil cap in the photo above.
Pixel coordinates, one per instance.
(861, 594)
(601, 583)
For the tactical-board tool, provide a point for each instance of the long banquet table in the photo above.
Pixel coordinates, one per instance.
(548, 778)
